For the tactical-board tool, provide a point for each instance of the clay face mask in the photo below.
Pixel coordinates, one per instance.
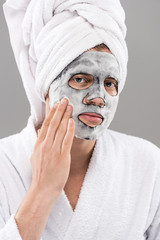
(90, 82)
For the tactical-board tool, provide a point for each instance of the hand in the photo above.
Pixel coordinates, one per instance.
(51, 158)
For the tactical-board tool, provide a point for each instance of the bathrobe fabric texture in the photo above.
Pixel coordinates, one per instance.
(119, 198)
(120, 195)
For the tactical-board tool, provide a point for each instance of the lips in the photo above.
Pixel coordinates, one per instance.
(92, 114)
(91, 119)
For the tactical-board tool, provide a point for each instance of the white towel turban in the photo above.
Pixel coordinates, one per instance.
(46, 35)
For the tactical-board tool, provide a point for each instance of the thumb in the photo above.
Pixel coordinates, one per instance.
(47, 105)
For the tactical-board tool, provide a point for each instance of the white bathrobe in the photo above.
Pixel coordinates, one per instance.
(120, 195)
(119, 198)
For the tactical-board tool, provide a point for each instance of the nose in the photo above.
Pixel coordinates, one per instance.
(94, 101)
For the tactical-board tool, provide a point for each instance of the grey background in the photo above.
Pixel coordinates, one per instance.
(138, 111)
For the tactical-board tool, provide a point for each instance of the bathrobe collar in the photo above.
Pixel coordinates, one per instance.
(63, 221)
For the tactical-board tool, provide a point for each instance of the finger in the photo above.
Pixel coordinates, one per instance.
(46, 122)
(54, 123)
(62, 129)
(38, 132)
(68, 139)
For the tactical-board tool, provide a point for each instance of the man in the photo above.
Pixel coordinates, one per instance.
(76, 179)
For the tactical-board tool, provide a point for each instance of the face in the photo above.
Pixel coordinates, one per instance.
(90, 82)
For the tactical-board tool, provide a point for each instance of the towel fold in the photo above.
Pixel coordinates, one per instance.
(47, 35)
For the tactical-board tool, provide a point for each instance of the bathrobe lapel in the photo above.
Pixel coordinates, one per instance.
(63, 222)
(96, 186)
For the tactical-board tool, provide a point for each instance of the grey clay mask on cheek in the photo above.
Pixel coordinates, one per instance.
(91, 99)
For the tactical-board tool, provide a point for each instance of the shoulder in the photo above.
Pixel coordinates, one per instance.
(134, 141)
(137, 147)
(9, 149)
(11, 152)
(7, 144)
(14, 159)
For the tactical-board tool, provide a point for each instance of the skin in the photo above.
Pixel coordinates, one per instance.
(82, 149)
(50, 162)
(89, 82)
(58, 160)
(82, 156)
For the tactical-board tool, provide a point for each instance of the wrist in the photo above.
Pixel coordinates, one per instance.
(46, 196)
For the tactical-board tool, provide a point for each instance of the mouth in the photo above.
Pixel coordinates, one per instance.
(91, 118)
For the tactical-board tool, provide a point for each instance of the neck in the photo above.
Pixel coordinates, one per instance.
(81, 153)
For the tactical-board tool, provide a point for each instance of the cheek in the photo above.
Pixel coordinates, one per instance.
(75, 96)
(65, 90)
(112, 104)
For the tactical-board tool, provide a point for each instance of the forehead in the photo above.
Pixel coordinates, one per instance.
(94, 62)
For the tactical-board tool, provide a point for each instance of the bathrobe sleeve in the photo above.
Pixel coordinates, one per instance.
(9, 230)
(8, 227)
(153, 232)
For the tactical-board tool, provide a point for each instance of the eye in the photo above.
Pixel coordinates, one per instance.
(81, 81)
(111, 86)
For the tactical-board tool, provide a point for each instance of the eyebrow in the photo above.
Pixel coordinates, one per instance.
(77, 71)
(109, 76)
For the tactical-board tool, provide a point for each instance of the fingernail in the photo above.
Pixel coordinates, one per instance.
(64, 101)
